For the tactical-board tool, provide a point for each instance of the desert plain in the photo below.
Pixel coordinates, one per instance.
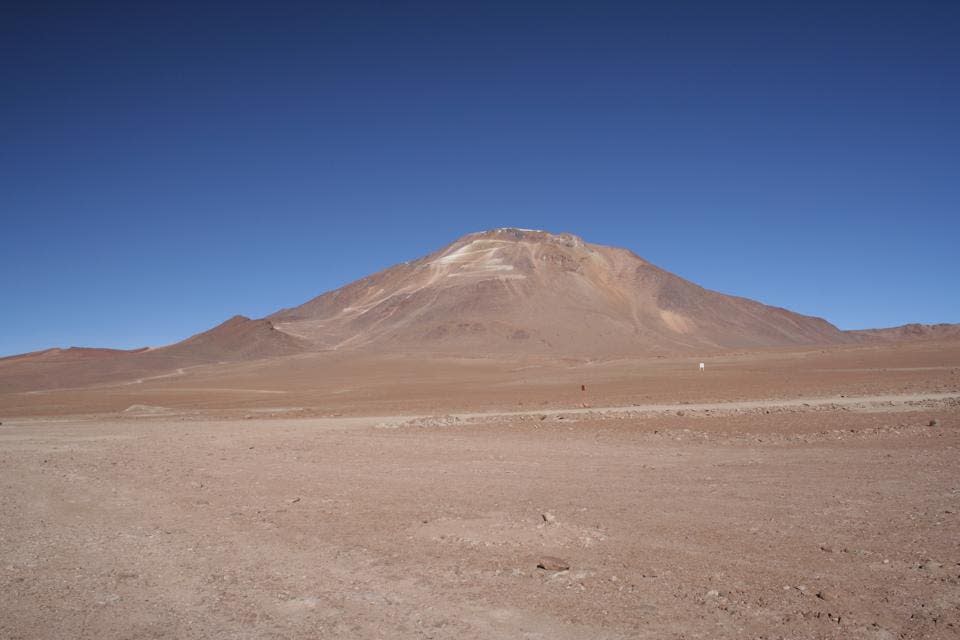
(798, 492)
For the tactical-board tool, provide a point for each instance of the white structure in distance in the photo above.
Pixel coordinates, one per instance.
(701, 366)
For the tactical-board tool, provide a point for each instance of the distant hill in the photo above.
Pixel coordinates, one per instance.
(905, 332)
(238, 338)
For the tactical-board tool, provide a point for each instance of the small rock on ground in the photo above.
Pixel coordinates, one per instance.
(550, 563)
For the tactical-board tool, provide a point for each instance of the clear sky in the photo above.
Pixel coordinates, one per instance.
(164, 166)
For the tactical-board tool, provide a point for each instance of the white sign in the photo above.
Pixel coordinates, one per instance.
(701, 366)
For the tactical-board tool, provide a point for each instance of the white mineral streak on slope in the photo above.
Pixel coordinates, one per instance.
(476, 258)
(471, 259)
(480, 258)
(285, 327)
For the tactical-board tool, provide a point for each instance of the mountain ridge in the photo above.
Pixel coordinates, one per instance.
(554, 289)
(495, 293)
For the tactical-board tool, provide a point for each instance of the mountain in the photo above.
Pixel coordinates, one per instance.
(908, 332)
(489, 294)
(516, 290)
(237, 339)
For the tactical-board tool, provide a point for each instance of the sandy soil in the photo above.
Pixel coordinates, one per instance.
(320, 384)
(749, 501)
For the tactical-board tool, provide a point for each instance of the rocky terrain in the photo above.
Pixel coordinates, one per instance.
(785, 494)
(509, 438)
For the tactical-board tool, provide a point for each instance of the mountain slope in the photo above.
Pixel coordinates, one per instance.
(238, 338)
(513, 290)
(908, 332)
(494, 293)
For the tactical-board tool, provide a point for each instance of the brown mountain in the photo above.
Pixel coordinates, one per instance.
(908, 332)
(238, 338)
(507, 291)
(513, 290)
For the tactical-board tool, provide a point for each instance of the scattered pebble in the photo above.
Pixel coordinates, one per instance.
(550, 563)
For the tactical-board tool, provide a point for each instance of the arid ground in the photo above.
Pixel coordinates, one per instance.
(809, 493)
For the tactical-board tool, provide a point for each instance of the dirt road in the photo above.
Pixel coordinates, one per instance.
(859, 402)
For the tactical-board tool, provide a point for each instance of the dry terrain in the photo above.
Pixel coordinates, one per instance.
(497, 294)
(809, 493)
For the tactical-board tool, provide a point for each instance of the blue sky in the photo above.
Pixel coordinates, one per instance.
(163, 168)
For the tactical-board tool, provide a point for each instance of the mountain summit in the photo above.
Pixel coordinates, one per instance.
(520, 290)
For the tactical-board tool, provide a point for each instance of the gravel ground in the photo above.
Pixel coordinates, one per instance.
(816, 522)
